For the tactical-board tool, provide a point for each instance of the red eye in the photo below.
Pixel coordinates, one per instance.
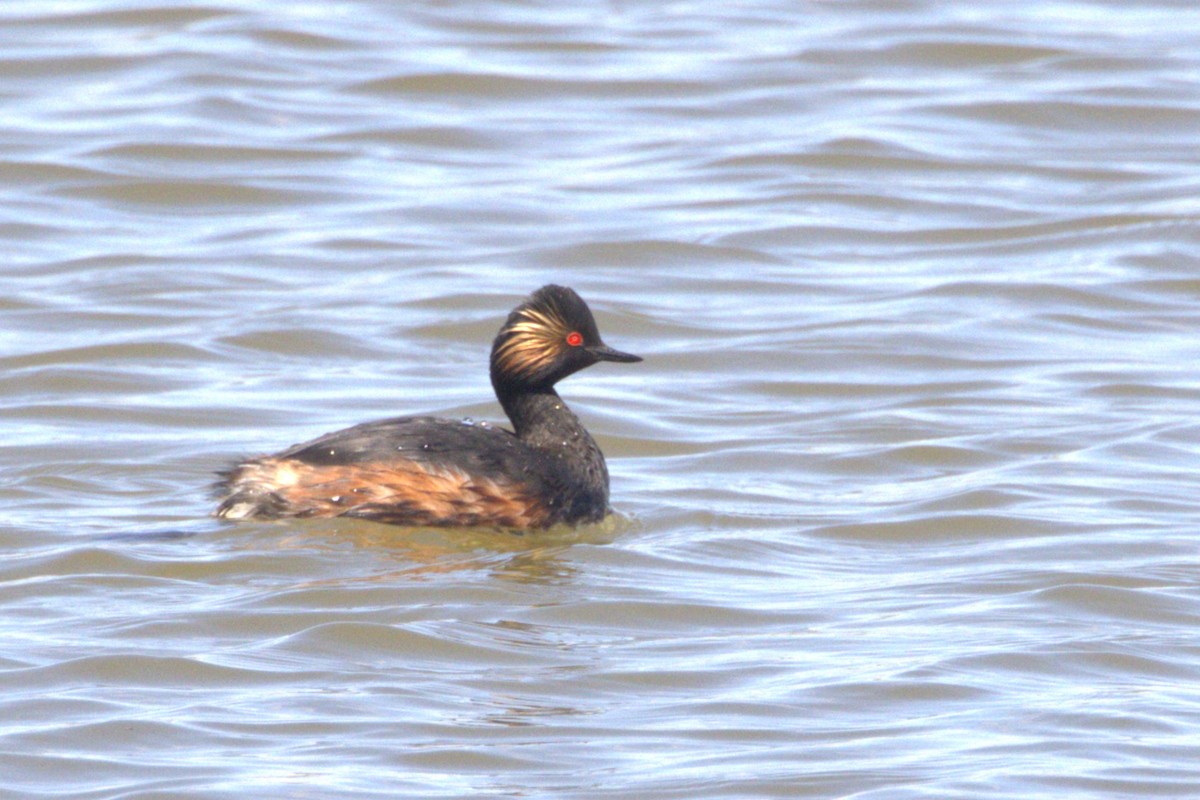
(574, 338)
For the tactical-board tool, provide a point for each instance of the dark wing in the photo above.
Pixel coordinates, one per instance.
(412, 471)
(408, 471)
(477, 448)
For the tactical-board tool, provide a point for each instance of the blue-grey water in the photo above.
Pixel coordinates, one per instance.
(906, 487)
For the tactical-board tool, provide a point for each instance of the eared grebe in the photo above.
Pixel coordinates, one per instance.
(433, 471)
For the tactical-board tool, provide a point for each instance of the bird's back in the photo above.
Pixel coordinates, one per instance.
(408, 470)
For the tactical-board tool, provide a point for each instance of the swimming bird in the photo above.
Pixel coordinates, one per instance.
(431, 471)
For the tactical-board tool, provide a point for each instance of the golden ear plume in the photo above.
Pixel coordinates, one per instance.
(532, 341)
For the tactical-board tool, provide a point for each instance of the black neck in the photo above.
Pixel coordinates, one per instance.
(540, 417)
(542, 420)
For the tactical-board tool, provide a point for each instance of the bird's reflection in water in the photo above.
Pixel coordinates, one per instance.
(425, 552)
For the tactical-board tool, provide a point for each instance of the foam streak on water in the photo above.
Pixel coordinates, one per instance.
(906, 483)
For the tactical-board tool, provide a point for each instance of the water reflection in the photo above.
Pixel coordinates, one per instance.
(534, 557)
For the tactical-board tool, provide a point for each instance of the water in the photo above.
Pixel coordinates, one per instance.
(906, 483)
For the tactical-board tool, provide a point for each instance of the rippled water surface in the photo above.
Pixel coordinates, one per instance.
(906, 485)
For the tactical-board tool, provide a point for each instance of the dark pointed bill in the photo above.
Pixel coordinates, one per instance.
(606, 353)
